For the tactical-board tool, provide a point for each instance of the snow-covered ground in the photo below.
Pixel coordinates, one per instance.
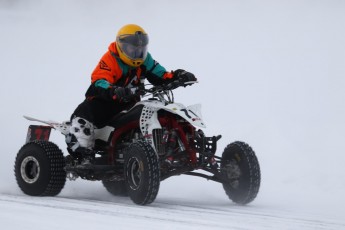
(89, 213)
(271, 73)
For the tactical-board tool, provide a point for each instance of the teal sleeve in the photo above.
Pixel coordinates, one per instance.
(102, 84)
(153, 66)
(100, 89)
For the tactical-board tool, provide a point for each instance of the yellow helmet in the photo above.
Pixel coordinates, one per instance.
(132, 41)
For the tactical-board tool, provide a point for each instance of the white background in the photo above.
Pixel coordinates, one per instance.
(271, 73)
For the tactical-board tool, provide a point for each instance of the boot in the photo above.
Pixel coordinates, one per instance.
(80, 141)
(87, 157)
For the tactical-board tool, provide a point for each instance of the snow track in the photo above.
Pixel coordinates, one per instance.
(66, 213)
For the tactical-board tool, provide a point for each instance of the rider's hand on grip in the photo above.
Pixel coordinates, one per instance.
(183, 76)
(122, 94)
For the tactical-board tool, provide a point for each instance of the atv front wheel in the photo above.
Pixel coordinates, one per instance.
(39, 169)
(241, 169)
(142, 174)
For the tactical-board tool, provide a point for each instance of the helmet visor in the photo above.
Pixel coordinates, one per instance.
(134, 45)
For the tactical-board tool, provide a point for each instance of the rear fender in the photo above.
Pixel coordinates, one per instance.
(61, 127)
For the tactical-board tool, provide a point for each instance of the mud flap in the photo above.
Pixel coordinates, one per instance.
(38, 132)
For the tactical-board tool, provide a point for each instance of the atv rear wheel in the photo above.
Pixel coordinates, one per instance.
(117, 188)
(142, 174)
(39, 169)
(241, 169)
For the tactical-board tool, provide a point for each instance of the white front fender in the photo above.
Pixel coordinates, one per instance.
(190, 113)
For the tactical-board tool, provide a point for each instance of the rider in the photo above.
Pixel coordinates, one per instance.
(120, 71)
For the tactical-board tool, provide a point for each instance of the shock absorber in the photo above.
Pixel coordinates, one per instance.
(171, 144)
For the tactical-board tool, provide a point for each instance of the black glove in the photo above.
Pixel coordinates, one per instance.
(183, 76)
(122, 94)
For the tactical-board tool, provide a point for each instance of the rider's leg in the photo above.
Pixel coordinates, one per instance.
(87, 116)
(81, 140)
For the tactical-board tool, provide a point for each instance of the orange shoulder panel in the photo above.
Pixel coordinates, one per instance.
(107, 68)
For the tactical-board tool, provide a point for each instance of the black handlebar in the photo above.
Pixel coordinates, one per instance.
(170, 86)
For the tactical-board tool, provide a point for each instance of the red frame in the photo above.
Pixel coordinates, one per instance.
(172, 123)
(168, 121)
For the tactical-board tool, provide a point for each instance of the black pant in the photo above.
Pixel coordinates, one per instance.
(98, 111)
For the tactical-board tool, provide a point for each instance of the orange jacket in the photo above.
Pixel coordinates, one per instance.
(112, 72)
(112, 69)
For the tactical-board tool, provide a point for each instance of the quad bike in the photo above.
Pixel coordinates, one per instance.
(154, 140)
